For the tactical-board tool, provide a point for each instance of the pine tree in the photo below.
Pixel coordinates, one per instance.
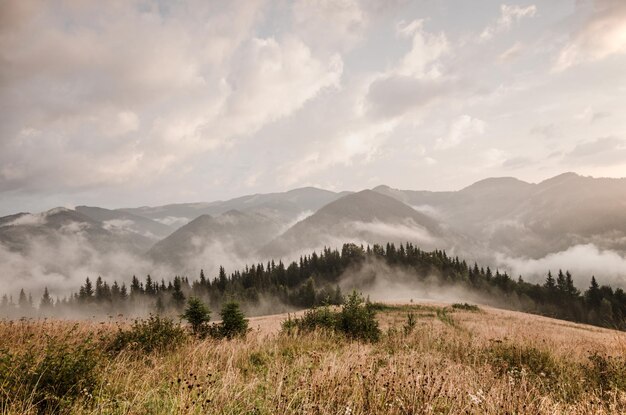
(197, 314)
(86, 291)
(178, 298)
(234, 322)
(593, 296)
(135, 287)
(46, 302)
(150, 289)
(99, 293)
(550, 284)
(561, 283)
(22, 301)
(221, 280)
(570, 288)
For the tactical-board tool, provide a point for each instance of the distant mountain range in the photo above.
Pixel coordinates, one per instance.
(497, 215)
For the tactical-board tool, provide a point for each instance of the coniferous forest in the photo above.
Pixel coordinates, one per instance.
(315, 280)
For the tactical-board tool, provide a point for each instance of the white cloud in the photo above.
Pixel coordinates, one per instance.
(342, 23)
(126, 93)
(463, 128)
(602, 35)
(509, 14)
(361, 143)
(582, 260)
(493, 157)
(406, 231)
(511, 53)
(27, 220)
(422, 61)
(271, 80)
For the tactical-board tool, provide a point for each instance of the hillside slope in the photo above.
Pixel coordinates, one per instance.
(362, 217)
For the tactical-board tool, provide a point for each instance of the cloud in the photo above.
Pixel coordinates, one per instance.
(582, 261)
(509, 14)
(544, 130)
(416, 80)
(173, 221)
(591, 116)
(422, 61)
(127, 93)
(346, 148)
(511, 53)
(463, 128)
(27, 219)
(601, 151)
(406, 231)
(517, 162)
(342, 22)
(603, 34)
(396, 95)
(493, 157)
(270, 80)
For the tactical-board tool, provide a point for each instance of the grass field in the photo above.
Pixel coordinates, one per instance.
(453, 361)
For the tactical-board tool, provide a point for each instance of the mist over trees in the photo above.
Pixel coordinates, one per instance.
(315, 280)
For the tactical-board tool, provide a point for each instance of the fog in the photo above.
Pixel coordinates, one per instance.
(382, 282)
(582, 261)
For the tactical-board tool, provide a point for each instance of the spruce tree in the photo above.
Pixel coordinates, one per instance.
(234, 322)
(178, 298)
(197, 314)
(46, 301)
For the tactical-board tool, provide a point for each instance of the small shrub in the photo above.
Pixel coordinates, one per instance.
(445, 317)
(514, 359)
(52, 378)
(234, 322)
(356, 319)
(153, 333)
(197, 314)
(315, 318)
(606, 372)
(411, 321)
(465, 306)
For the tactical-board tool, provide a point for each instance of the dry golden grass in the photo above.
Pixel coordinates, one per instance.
(453, 362)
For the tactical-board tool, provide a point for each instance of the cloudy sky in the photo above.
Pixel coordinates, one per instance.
(141, 102)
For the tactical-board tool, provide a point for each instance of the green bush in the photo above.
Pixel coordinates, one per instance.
(197, 314)
(513, 359)
(606, 372)
(356, 319)
(52, 378)
(153, 333)
(234, 322)
(465, 306)
(411, 322)
(315, 318)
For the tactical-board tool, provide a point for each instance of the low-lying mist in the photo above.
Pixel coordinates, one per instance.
(398, 284)
(583, 261)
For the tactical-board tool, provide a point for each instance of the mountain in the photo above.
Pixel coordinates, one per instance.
(21, 232)
(363, 217)
(206, 240)
(495, 221)
(283, 206)
(525, 219)
(124, 222)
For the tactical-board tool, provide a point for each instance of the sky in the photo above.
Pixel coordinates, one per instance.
(130, 103)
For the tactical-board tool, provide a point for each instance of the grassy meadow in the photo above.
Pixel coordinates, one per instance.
(429, 359)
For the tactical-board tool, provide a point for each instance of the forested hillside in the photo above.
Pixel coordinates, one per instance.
(316, 279)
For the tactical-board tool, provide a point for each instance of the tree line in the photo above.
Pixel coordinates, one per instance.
(314, 280)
